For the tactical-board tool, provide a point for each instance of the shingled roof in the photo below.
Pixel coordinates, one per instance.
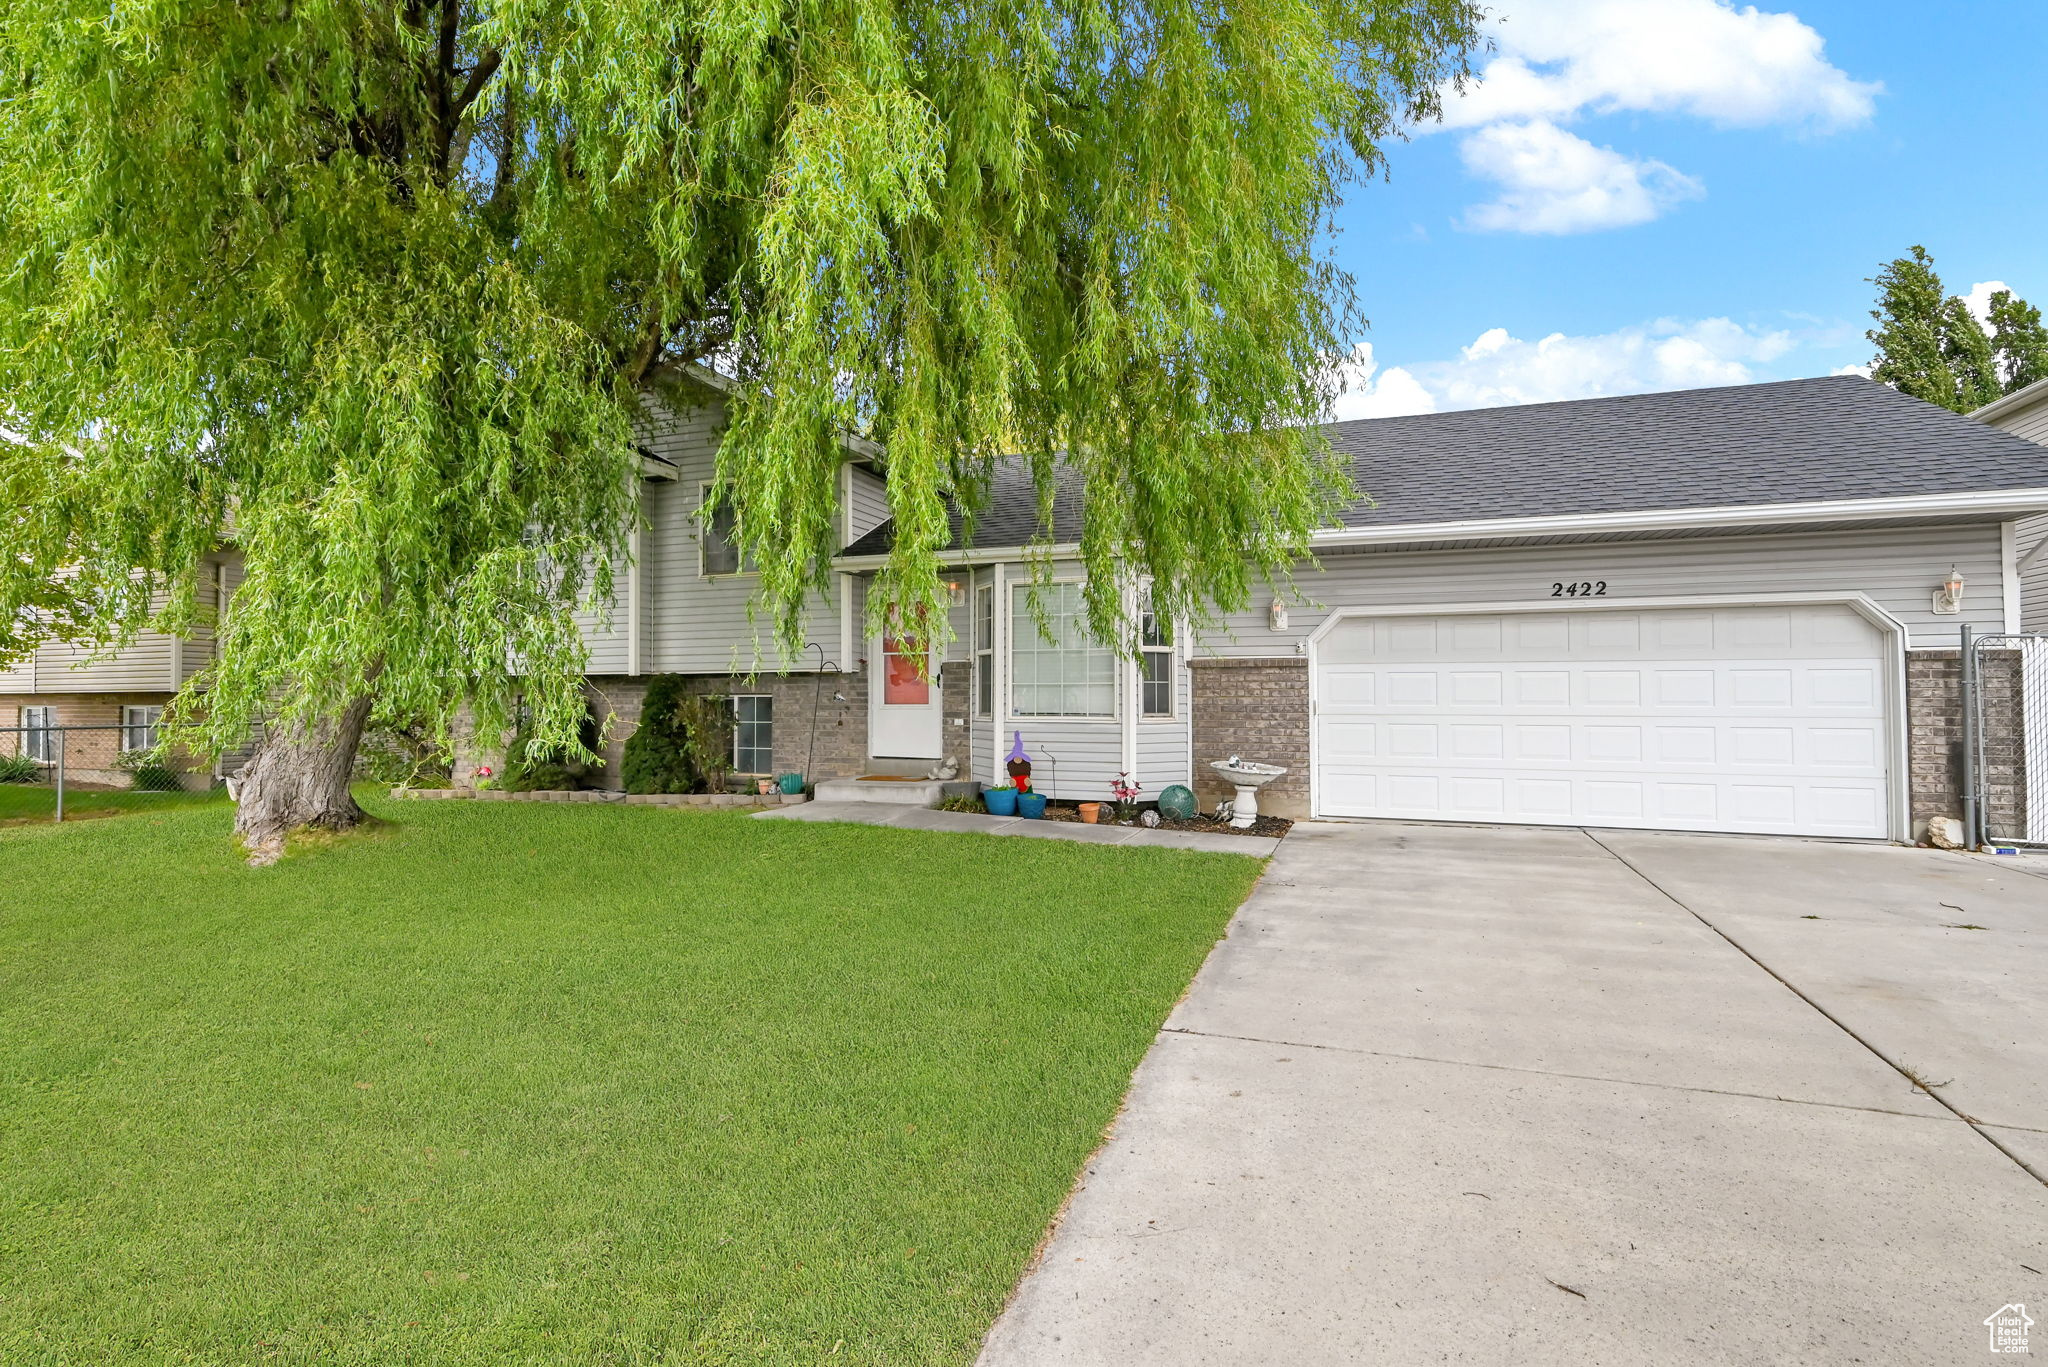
(1835, 438)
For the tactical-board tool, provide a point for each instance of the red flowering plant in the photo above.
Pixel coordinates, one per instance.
(1126, 793)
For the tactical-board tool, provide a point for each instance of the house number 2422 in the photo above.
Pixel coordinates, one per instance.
(1585, 588)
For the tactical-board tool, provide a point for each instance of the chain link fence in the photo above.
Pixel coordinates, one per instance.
(70, 759)
(2005, 706)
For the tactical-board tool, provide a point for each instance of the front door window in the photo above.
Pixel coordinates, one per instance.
(902, 681)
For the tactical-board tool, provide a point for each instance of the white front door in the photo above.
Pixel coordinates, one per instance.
(906, 711)
(1768, 719)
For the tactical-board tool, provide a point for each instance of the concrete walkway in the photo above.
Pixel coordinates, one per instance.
(1519, 1095)
(927, 819)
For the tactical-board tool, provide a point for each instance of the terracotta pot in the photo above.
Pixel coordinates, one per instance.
(1091, 812)
(764, 786)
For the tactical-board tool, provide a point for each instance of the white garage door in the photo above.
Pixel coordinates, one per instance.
(1765, 719)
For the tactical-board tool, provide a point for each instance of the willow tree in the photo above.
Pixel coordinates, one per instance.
(369, 289)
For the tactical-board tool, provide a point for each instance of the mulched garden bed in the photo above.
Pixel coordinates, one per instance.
(1268, 826)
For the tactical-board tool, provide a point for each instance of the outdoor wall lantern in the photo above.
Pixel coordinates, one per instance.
(1948, 599)
(1276, 616)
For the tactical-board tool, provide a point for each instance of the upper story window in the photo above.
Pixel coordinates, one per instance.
(1155, 669)
(139, 727)
(1058, 670)
(717, 552)
(984, 650)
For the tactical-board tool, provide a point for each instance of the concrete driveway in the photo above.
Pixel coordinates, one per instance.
(1522, 1095)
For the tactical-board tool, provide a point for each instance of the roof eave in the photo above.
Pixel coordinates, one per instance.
(2020, 398)
(1988, 503)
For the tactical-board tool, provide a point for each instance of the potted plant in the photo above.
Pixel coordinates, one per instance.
(1002, 800)
(1031, 805)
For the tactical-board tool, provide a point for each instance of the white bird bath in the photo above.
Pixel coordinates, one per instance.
(1249, 778)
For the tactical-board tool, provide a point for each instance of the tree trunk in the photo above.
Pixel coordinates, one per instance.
(299, 780)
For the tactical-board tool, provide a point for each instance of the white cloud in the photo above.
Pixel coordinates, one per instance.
(1705, 58)
(1556, 182)
(1368, 394)
(1565, 59)
(1978, 300)
(1499, 368)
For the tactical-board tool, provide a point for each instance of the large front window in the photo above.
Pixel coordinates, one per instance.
(1056, 670)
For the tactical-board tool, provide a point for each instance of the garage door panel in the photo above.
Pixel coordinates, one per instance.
(1714, 735)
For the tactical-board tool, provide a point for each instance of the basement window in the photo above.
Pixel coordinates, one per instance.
(753, 734)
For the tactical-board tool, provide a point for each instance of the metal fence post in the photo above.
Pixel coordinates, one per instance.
(62, 737)
(1972, 817)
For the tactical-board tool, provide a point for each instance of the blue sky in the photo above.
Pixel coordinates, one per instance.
(1682, 192)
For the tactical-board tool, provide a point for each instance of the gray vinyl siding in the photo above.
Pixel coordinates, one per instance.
(1163, 742)
(2029, 533)
(1898, 568)
(867, 504)
(692, 623)
(2030, 422)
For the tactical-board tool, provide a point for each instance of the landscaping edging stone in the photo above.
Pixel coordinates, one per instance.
(727, 800)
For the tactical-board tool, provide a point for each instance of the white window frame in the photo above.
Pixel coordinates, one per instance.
(982, 625)
(739, 721)
(1024, 631)
(38, 734)
(130, 725)
(1168, 656)
(705, 527)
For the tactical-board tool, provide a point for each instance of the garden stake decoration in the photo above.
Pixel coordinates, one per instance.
(1126, 791)
(1019, 763)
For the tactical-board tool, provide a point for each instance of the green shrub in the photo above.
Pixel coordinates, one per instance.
(408, 755)
(19, 769)
(148, 772)
(526, 773)
(962, 802)
(684, 743)
(657, 758)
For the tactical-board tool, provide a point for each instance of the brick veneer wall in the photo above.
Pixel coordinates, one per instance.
(842, 730)
(956, 690)
(1934, 739)
(89, 756)
(1257, 709)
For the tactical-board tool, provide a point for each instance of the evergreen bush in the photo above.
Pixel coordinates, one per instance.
(657, 758)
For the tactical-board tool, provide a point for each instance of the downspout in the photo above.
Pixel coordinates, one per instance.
(633, 550)
(999, 665)
(1128, 673)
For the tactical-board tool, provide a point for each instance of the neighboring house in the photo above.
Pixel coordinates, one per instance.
(2025, 414)
(1721, 610)
(121, 694)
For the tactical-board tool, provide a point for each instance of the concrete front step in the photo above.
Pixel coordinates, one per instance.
(918, 792)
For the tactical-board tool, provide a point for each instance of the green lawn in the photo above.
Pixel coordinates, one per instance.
(21, 802)
(528, 1083)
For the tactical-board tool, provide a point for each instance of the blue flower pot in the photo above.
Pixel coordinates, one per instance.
(1031, 806)
(1002, 801)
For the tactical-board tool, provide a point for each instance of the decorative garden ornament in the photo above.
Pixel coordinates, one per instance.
(1019, 764)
